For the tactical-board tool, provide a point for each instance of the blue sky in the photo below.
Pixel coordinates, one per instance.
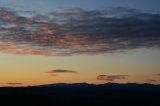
(46, 5)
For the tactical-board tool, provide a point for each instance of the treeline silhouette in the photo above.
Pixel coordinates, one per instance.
(82, 94)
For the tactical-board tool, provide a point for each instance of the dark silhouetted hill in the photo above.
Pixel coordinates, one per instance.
(81, 94)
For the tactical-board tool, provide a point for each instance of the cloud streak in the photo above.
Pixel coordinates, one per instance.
(157, 74)
(112, 77)
(152, 80)
(77, 31)
(14, 83)
(61, 71)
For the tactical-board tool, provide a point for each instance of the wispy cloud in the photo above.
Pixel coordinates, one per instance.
(152, 80)
(77, 31)
(14, 83)
(157, 74)
(61, 71)
(112, 77)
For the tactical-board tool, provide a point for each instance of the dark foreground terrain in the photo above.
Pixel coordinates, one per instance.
(82, 95)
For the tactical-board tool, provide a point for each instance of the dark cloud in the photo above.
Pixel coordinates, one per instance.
(78, 31)
(158, 74)
(112, 77)
(152, 80)
(14, 83)
(61, 71)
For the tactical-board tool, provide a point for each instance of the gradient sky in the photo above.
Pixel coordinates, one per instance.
(73, 41)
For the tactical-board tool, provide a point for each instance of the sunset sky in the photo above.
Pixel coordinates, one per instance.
(74, 41)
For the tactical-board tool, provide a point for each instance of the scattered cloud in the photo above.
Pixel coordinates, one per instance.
(77, 31)
(112, 77)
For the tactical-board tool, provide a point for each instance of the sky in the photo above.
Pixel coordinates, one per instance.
(74, 41)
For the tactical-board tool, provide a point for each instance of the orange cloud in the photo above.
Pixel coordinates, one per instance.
(112, 77)
(14, 83)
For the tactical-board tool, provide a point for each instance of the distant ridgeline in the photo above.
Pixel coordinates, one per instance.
(80, 94)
